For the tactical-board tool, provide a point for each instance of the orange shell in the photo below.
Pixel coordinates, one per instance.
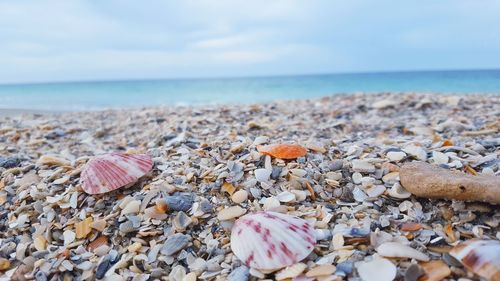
(98, 242)
(283, 151)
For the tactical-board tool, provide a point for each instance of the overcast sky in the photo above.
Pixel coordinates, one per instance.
(102, 40)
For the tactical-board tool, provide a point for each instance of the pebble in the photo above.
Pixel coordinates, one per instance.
(179, 202)
(262, 175)
(413, 272)
(9, 162)
(174, 244)
(276, 172)
(362, 166)
(239, 274)
(231, 213)
(40, 276)
(240, 196)
(396, 156)
(102, 267)
(375, 191)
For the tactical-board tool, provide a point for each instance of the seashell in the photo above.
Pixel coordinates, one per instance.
(83, 228)
(291, 271)
(230, 213)
(434, 271)
(282, 151)
(270, 240)
(321, 270)
(69, 236)
(378, 269)
(480, 256)
(398, 250)
(98, 242)
(111, 171)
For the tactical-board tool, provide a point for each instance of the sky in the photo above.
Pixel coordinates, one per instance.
(42, 41)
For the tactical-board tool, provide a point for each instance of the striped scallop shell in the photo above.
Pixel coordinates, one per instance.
(480, 256)
(269, 240)
(111, 171)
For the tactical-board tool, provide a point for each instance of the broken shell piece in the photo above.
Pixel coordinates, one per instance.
(98, 242)
(321, 270)
(398, 250)
(69, 236)
(480, 256)
(270, 240)
(397, 191)
(378, 269)
(111, 171)
(83, 228)
(291, 271)
(283, 151)
(434, 271)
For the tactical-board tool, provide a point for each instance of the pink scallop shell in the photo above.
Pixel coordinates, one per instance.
(111, 171)
(269, 240)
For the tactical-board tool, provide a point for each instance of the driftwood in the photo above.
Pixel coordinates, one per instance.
(430, 181)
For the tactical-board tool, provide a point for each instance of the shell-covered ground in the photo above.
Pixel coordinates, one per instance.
(206, 160)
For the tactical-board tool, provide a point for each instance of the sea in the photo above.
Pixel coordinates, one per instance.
(96, 95)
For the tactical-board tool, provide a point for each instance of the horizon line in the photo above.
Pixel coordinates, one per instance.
(112, 80)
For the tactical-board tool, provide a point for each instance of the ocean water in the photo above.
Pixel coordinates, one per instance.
(135, 93)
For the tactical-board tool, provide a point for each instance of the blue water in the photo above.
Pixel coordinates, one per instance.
(110, 94)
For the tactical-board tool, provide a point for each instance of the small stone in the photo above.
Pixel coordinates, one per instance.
(239, 274)
(395, 156)
(179, 202)
(321, 270)
(286, 197)
(9, 162)
(362, 166)
(298, 172)
(262, 175)
(181, 221)
(230, 213)
(40, 276)
(102, 267)
(276, 172)
(413, 273)
(174, 244)
(240, 196)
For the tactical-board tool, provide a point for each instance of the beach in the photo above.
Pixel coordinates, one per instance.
(347, 186)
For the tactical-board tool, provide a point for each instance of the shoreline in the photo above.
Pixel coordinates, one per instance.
(13, 112)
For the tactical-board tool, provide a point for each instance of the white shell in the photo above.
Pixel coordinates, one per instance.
(378, 269)
(398, 250)
(270, 240)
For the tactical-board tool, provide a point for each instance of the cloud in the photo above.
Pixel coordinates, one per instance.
(49, 40)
